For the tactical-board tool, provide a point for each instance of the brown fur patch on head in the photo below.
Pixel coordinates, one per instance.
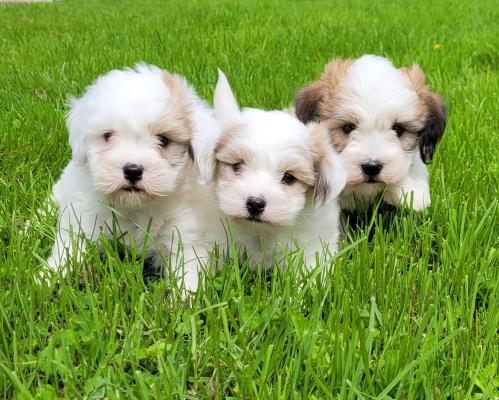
(416, 77)
(315, 101)
(226, 136)
(432, 110)
(332, 76)
(176, 84)
(175, 153)
(300, 165)
(335, 123)
(176, 123)
(338, 138)
(307, 101)
(228, 151)
(408, 141)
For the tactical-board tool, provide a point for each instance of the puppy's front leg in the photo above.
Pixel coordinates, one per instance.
(78, 217)
(315, 250)
(191, 276)
(187, 267)
(67, 245)
(413, 188)
(64, 246)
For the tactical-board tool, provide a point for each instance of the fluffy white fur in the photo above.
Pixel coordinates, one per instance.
(148, 117)
(373, 96)
(255, 150)
(379, 94)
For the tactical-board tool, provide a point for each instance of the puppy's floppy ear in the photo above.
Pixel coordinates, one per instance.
(318, 97)
(330, 174)
(226, 110)
(434, 128)
(307, 102)
(224, 101)
(76, 137)
(436, 113)
(203, 147)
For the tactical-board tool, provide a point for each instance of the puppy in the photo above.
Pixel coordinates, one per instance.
(136, 149)
(276, 179)
(384, 122)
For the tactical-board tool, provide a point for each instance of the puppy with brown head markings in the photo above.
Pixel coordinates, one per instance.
(384, 122)
(276, 179)
(138, 137)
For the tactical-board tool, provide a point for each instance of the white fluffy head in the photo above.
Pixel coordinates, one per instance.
(136, 123)
(269, 163)
(377, 116)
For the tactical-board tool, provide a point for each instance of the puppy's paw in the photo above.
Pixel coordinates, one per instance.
(44, 277)
(418, 199)
(191, 283)
(51, 271)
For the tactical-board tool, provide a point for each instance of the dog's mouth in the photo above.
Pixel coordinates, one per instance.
(255, 218)
(132, 189)
(363, 181)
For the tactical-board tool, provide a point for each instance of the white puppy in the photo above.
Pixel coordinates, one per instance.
(276, 179)
(378, 116)
(136, 144)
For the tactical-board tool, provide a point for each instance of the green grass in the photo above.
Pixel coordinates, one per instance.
(411, 309)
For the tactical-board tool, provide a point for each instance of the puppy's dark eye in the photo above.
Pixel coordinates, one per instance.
(107, 136)
(288, 179)
(237, 167)
(163, 140)
(398, 128)
(347, 128)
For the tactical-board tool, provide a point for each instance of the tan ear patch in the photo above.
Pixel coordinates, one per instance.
(333, 74)
(427, 99)
(314, 101)
(176, 121)
(334, 71)
(416, 77)
(229, 149)
(307, 101)
(227, 134)
(431, 108)
(177, 85)
(300, 165)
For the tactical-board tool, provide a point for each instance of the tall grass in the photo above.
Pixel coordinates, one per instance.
(409, 308)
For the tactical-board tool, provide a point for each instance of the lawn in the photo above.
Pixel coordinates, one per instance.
(410, 307)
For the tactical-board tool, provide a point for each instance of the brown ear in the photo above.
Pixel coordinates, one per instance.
(435, 113)
(334, 71)
(312, 97)
(416, 77)
(307, 102)
(433, 131)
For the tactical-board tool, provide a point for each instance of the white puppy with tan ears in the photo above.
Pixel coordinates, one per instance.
(136, 144)
(276, 179)
(384, 122)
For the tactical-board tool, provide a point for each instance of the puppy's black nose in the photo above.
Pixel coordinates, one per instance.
(133, 172)
(371, 168)
(255, 205)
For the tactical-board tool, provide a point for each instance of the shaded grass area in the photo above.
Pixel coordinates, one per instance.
(408, 309)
